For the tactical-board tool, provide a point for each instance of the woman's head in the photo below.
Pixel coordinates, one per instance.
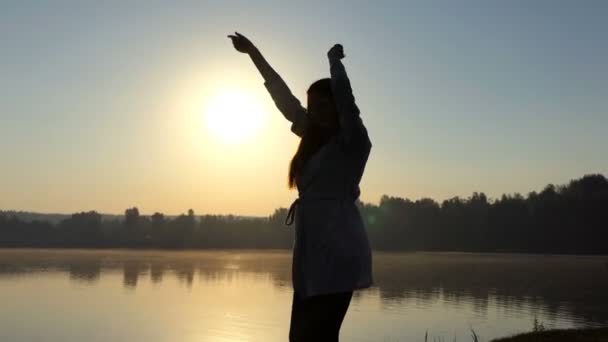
(321, 106)
(323, 125)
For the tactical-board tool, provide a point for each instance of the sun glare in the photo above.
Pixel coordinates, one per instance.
(234, 116)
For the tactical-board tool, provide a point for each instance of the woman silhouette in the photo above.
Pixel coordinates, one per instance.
(331, 255)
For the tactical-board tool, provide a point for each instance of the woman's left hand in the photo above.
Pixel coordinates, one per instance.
(336, 52)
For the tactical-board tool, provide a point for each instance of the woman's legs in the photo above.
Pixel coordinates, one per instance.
(318, 318)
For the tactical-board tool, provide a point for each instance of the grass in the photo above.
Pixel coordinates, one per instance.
(559, 335)
(540, 334)
(441, 339)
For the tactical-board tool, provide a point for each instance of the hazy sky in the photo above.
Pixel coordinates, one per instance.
(103, 103)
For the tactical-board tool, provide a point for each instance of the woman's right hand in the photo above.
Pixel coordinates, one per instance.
(241, 43)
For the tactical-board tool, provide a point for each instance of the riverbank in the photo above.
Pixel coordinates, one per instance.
(561, 335)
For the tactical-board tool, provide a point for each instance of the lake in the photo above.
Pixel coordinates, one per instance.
(244, 295)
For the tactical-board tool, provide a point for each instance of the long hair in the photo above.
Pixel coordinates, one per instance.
(314, 136)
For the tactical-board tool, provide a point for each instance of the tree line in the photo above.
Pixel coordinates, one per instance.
(569, 218)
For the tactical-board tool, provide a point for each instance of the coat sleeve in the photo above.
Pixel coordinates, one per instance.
(287, 104)
(353, 132)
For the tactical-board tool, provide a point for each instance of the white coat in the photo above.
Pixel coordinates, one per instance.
(331, 249)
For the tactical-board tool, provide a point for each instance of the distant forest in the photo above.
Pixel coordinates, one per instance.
(571, 218)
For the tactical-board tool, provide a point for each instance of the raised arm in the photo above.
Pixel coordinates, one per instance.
(353, 130)
(282, 96)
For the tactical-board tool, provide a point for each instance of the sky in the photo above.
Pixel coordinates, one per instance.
(106, 105)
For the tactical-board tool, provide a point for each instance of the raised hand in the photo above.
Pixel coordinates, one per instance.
(336, 52)
(241, 43)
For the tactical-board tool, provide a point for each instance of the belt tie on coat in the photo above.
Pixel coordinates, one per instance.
(291, 213)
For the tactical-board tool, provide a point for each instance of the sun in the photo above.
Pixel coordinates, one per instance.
(234, 116)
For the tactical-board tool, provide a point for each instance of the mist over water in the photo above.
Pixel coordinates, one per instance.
(245, 295)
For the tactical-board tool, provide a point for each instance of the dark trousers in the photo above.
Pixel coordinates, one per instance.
(318, 318)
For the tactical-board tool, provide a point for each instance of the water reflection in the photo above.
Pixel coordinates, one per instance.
(83, 271)
(574, 286)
